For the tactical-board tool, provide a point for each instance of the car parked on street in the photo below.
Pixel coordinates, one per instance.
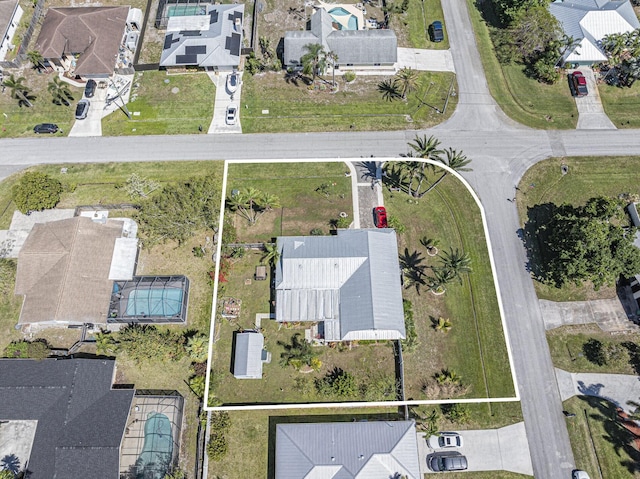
(436, 32)
(90, 89)
(450, 461)
(46, 128)
(445, 440)
(232, 114)
(380, 217)
(578, 84)
(82, 110)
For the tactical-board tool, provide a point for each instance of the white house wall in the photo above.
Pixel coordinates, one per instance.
(11, 31)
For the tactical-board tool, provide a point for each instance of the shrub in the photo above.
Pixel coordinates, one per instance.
(316, 232)
(458, 413)
(217, 446)
(36, 191)
(198, 385)
(593, 350)
(198, 348)
(411, 342)
(349, 76)
(220, 421)
(38, 349)
(144, 342)
(337, 382)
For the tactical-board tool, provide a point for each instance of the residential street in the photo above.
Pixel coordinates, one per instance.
(501, 151)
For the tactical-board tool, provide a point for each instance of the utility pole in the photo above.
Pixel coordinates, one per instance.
(119, 95)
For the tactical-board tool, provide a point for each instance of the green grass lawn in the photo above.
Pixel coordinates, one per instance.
(161, 111)
(587, 177)
(271, 105)
(600, 444)
(566, 346)
(621, 104)
(475, 347)
(19, 122)
(412, 27)
(302, 207)
(525, 100)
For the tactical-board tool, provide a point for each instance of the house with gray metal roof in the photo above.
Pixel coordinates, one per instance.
(348, 283)
(356, 49)
(10, 15)
(212, 41)
(347, 450)
(589, 21)
(249, 355)
(61, 418)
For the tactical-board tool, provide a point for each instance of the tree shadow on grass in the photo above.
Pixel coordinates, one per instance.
(534, 236)
(615, 433)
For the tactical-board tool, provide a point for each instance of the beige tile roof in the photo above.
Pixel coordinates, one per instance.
(63, 271)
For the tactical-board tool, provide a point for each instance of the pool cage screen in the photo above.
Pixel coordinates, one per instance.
(149, 299)
(151, 443)
(172, 8)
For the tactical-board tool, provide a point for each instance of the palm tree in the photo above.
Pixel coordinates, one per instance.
(443, 324)
(198, 348)
(59, 91)
(271, 254)
(408, 81)
(19, 91)
(567, 44)
(390, 89)
(447, 376)
(456, 262)
(250, 203)
(441, 277)
(36, 58)
(333, 59)
(413, 269)
(454, 160)
(297, 352)
(431, 245)
(314, 61)
(426, 148)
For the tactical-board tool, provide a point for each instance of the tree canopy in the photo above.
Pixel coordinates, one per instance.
(588, 243)
(36, 191)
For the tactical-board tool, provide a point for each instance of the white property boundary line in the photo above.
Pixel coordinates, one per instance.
(359, 404)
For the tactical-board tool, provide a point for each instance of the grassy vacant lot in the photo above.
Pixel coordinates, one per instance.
(295, 184)
(621, 104)
(167, 105)
(412, 27)
(601, 446)
(356, 106)
(524, 100)
(566, 345)
(17, 122)
(475, 347)
(587, 177)
(252, 437)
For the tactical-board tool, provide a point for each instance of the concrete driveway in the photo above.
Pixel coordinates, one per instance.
(92, 124)
(504, 449)
(590, 110)
(425, 60)
(608, 314)
(223, 100)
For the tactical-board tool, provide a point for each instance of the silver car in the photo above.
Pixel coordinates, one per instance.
(445, 440)
(232, 114)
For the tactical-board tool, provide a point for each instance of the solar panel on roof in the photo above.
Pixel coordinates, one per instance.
(195, 49)
(214, 17)
(190, 33)
(168, 40)
(186, 59)
(233, 44)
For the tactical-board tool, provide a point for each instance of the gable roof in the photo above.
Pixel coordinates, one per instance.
(350, 281)
(94, 32)
(210, 40)
(81, 420)
(358, 47)
(63, 271)
(590, 21)
(247, 363)
(347, 450)
(8, 9)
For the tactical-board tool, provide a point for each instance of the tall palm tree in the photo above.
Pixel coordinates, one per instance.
(271, 254)
(314, 62)
(390, 89)
(457, 262)
(413, 269)
(19, 91)
(408, 81)
(441, 277)
(36, 58)
(454, 160)
(332, 57)
(59, 91)
(426, 148)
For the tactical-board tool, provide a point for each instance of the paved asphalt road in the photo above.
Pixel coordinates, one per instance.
(501, 151)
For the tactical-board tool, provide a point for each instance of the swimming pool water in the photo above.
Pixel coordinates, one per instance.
(165, 302)
(352, 22)
(183, 10)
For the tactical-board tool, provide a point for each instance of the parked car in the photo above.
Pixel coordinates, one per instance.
(232, 114)
(380, 217)
(233, 80)
(82, 109)
(578, 474)
(45, 128)
(450, 461)
(436, 32)
(445, 440)
(578, 84)
(90, 88)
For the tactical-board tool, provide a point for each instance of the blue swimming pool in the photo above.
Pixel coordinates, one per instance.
(352, 22)
(163, 302)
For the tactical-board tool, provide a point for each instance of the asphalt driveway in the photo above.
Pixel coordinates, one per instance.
(504, 449)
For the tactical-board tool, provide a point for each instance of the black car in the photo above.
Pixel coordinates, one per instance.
(46, 128)
(447, 462)
(436, 31)
(82, 109)
(90, 88)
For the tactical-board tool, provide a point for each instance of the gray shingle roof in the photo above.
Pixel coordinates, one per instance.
(357, 47)
(352, 278)
(81, 420)
(211, 40)
(349, 450)
(247, 363)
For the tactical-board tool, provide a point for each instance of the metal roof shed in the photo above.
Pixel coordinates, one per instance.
(248, 359)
